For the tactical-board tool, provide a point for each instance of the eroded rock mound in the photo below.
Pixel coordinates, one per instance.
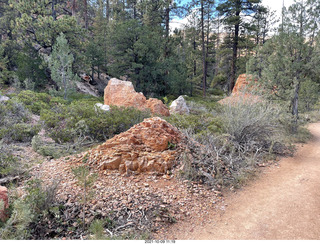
(146, 147)
(122, 93)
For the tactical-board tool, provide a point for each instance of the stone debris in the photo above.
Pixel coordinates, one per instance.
(179, 106)
(138, 203)
(146, 147)
(122, 93)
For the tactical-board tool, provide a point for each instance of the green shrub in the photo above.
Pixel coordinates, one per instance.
(15, 122)
(199, 124)
(80, 120)
(199, 104)
(253, 126)
(28, 210)
(34, 101)
(16, 227)
(9, 164)
(47, 149)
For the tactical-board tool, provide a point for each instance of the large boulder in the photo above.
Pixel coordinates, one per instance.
(122, 93)
(146, 147)
(102, 107)
(179, 106)
(242, 91)
(4, 203)
(156, 106)
(4, 98)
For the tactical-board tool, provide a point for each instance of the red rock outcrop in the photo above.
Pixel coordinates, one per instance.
(241, 91)
(143, 148)
(4, 204)
(122, 93)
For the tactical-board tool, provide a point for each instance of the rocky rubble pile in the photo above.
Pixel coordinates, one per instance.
(122, 93)
(131, 204)
(146, 147)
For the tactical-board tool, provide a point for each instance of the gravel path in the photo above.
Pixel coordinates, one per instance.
(283, 203)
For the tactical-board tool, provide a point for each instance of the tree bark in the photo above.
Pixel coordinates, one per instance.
(295, 106)
(108, 10)
(73, 8)
(204, 72)
(235, 46)
(85, 6)
(54, 13)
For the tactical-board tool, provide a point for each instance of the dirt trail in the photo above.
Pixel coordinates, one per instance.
(284, 203)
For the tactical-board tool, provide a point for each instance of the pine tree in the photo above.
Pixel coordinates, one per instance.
(287, 61)
(60, 63)
(233, 12)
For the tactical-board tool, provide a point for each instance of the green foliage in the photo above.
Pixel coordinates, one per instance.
(252, 125)
(40, 197)
(4, 72)
(199, 124)
(86, 180)
(16, 227)
(31, 68)
(34, 101)
(15, 122)
(309, 95)
(97, 229)
(9, 164)
(60, 62)
(48, 149)
(80, 119)
(27, 210)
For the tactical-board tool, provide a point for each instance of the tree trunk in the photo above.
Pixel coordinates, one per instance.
(54, 13)
(204, 72)
(73, 8)
(64, 80)
(235, 46)
(92, 73)
(85, 12)
(166, 48)
(107, 11)
(295, 106)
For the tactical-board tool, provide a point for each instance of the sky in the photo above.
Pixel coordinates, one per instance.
(273, 4)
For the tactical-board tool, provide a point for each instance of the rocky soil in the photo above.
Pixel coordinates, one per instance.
(137, 203)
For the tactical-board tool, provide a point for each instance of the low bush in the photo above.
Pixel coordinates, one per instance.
(28, 210)
(227, 156)
(80, 121)
(199, 124)
(15, 122)
(49, 149)
(9, 164)
(252, 126)
(34, 101)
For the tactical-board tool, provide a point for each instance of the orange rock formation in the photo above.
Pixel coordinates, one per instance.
(143, 148)
(122, 93)
(241, 91)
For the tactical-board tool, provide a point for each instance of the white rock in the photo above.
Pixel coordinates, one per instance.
(179, 106)
(4, 98)
(102, 107)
